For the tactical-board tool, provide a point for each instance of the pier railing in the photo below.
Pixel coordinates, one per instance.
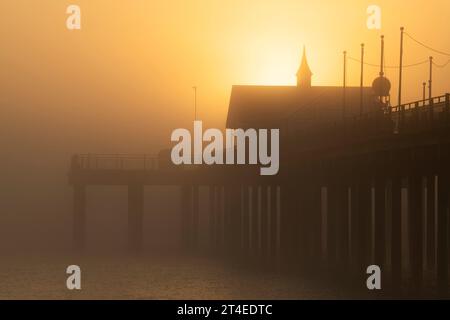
(397, 119)
(435, 102)
(115, 162)
(415, 115)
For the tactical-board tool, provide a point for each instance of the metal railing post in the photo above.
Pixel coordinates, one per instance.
(416, 115)
(447, 106)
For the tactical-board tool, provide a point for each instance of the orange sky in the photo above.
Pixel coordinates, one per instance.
(124, 81)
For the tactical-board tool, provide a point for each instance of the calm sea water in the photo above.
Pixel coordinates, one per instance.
(42, 276)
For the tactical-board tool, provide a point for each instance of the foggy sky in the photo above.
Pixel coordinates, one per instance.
(124, 82)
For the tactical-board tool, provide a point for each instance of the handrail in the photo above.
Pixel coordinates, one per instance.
(392, 111)
(371, 122)
(114, 161)
(420, 103)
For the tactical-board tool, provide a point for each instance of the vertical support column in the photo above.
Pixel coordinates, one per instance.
(79, 216)
(234, 224)
(304, 225)
(442, 234)
(220, 217)
(212, 217)
(254, 220)
(289, 227)
(396, 246)
(363, 223)
(226, 227)
(332, 219)
(245, 220)
(343, 230)
(431, 234)
(264, 222)
(285, 225)
(225, 217)
(135, 216)
(380, 213)
(273, 223)
(415, 234)
(316, 227)
(354, 223)
(342, 226)
(195, 218)
(186, 216)
(334, 207)
(258, 219)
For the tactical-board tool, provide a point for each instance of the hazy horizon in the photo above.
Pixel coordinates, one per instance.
(124, 81)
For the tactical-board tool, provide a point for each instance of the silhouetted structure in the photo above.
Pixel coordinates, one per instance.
(300, 107)
(336, 204)
(304, 73)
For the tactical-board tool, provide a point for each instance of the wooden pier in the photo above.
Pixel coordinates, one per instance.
(339, 202)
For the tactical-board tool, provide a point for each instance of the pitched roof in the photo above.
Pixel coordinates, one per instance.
(268, 106)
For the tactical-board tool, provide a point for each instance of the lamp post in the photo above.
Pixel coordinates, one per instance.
(430, 81)
(344, 87)
(402, 30)
(361, 106)
(424, 91)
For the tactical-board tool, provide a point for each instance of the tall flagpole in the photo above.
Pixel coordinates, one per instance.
(430, 81)
(382, 63)
(344, 87)
(401, 68)
(361, 102)
(424, 91)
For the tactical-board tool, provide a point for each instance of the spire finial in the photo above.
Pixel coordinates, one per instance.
(304, 73)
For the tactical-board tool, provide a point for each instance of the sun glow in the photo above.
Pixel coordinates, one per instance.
(276, 66)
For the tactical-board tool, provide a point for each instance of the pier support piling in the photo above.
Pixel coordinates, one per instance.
(195, 218)
(416, 236)
(212, 218)
(135, 217)
(79, 216)
(431, 233)
(186, 216)
(264, 222)
(380, 223)
(396, 238)
(333, 207)
(363, 222)
(442, 235)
